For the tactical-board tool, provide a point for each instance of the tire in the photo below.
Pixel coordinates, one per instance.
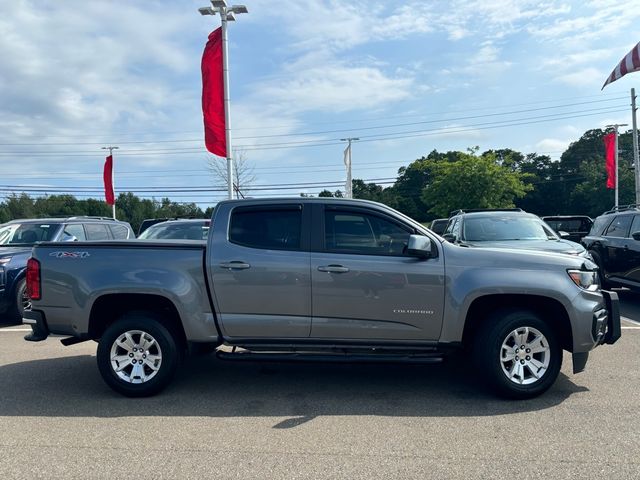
(20, 302)
(146, 371)
(500, 359)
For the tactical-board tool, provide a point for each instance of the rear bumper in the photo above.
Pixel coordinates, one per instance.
(39, 329)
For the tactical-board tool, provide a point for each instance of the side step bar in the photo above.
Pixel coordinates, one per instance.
(418, 359)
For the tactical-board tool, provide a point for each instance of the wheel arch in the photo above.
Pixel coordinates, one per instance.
(108, 308)
(481, 308)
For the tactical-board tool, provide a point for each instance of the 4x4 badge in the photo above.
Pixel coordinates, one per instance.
(69, 254)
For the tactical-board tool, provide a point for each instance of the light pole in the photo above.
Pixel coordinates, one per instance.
(226, 14)
(615, 129)
(348, 186)
(113, 178)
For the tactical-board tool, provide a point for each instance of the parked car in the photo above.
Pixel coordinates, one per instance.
(18, 237)
(507, 228)
(194, 229)
(318, 279)
(576, 226)
(438, 225)
(614, 244)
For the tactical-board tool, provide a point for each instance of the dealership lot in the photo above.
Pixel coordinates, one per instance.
(58, 419)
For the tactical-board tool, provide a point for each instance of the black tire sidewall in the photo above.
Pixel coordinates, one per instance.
(166, 341)
(489, 348)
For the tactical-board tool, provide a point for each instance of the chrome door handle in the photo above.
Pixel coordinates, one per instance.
(235, 265)
(333, 269)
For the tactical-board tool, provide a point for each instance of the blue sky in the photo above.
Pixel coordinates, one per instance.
(405, 77)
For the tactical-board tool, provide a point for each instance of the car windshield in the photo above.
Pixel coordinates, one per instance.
(500, 228)
(184, 231)
(26, 233)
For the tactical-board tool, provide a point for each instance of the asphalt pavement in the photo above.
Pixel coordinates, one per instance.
(267, 421)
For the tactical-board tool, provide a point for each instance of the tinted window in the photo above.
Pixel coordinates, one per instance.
(177, 230)
(119, 231)
(75, 230)
(635, 226)
(95, 231)
(27, 233)
(620, 226)
(275, 229)
(354, 232)
(599, 225)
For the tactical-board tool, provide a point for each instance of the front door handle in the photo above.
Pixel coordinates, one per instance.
(235, 265)
(333, 269)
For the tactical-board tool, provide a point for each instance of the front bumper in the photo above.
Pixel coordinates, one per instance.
(39, 329)
(610, 329)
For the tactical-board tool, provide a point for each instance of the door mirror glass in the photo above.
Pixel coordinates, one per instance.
(636, 235)
(420, 247)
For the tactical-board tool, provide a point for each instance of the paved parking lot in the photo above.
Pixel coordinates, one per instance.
(263, 421)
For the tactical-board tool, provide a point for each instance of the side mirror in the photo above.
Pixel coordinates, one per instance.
(420, 247)
(563, 234)
(636, 235)
(449, 237)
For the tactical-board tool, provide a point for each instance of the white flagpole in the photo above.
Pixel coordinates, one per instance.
(636, 161)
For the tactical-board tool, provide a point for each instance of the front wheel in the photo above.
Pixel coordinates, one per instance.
(518, 354)
(137, 356)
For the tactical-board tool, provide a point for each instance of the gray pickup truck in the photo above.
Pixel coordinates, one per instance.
(319, 280)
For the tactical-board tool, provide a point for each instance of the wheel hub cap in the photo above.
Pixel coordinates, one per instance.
(525, 355)
(135, 356)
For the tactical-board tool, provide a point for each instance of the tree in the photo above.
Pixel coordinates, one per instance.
(243, 176)
(472, 182)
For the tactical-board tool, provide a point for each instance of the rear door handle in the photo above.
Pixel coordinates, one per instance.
(235, 265)
(333, 269)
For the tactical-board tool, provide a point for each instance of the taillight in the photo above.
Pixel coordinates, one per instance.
(33, 279)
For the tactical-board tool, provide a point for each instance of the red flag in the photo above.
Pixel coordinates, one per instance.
(610, 156)
(630, 63)
(213, 95)
(108, 180)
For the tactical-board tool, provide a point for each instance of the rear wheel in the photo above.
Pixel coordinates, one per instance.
(137, 355)
(21, 302)
(518, 354)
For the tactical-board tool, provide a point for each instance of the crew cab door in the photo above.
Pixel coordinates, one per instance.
(364, 286)
(259, 267)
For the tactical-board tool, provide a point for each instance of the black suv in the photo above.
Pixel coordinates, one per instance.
(18, 236)
(506, 228)
(614, 243)
(576, 226)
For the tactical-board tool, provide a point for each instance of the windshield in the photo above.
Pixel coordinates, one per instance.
(27, 233)
(184, 231)
(496, 228)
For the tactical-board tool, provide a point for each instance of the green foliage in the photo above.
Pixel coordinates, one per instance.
(472, 182)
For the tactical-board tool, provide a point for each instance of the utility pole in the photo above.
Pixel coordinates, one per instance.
(227, 14)
(348, 186)
(636, 162)
(113, 178)
(615, 129)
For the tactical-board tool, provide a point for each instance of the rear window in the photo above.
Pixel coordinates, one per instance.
(620, 226)
(96, 231)
(599, 225)
(277, 229)
(119, 231)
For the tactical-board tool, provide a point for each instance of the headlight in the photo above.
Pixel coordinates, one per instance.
(587, 279)
(4, 260)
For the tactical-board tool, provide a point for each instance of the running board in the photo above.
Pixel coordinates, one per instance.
(247, 356)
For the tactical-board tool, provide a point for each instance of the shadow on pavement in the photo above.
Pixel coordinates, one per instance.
(206, 386)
